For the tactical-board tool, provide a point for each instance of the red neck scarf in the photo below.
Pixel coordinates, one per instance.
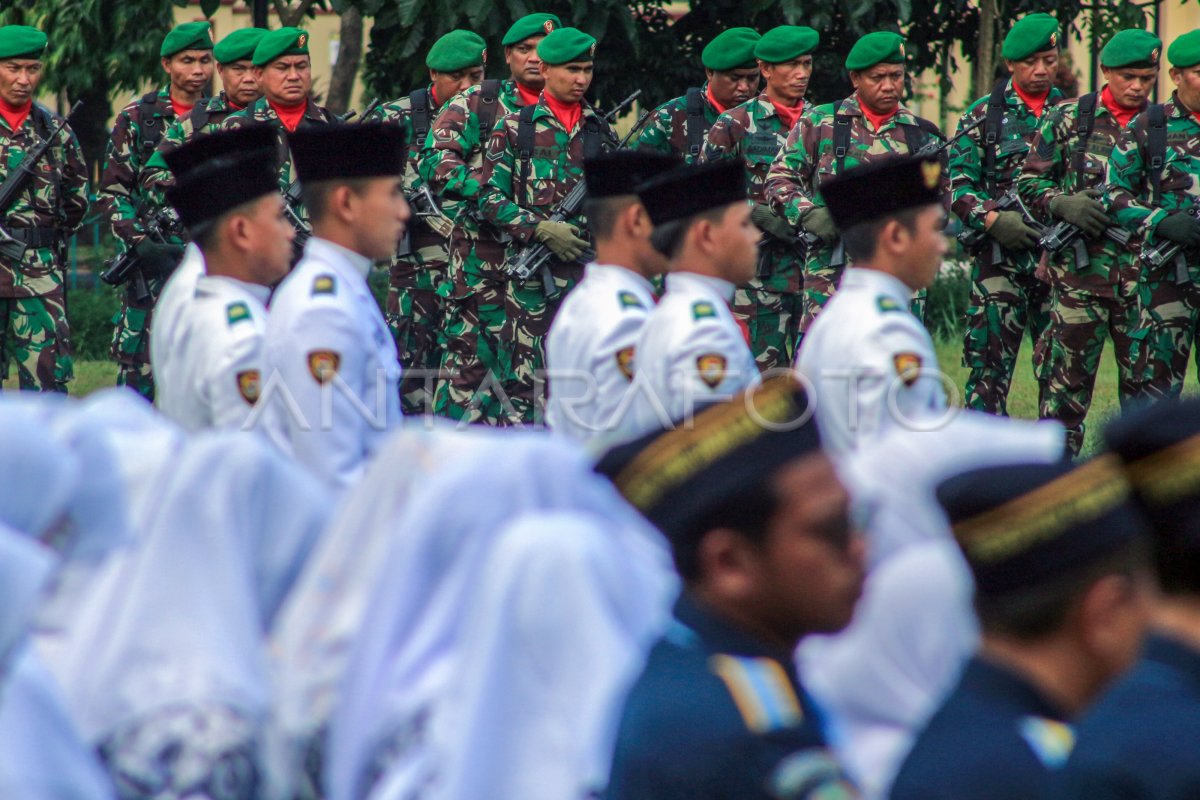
(233, 105)
(566, 113)
(1120, 113)
(877, 120)
(433, 96)
(713, 101)
(15, 116)
(290, 116)
(528, 96)
(1036, 104)
(180, 109)
(789, 114)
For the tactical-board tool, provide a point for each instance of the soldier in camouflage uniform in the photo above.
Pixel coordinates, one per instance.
(33, 318)
(1158, 206)
(520, 192)
(470, 376)
(732, 79)
(419, 275)
(1006, 297)
(770, 305)
(187, 59)
(234, 55)
(1061, 179)
(878, 126)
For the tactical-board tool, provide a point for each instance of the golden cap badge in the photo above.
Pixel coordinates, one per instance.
(302, 40)
(1054, 40)
(1154, 55)
(548, 26)
(592, 49)
(931, 173)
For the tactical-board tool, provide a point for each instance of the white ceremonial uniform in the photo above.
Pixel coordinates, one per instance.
(332, 379)
(691, 350)
(176, 294)
(590, 352)
(871, 363)
(208, 365)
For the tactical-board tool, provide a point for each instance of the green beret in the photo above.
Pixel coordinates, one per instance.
(785, 43)
(1031, 34)
(1131, 47)
(239, 45)
(457, 50)
(531, 25)
(188, 36)
(880, 47)
(566, 45)
(731, 49)
(21, 41)
(283, 42)
(1185, 51)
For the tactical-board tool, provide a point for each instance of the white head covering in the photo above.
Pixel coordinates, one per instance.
(557, 630)
(24, 567)
(403, 657)
(37, 474)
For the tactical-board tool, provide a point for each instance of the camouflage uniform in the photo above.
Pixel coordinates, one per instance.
(1088, 302)
(666, 129)
(555, 167)
(260, 112)
(123, 202)
(33, 317)
(452, 164)
(769, 305)
(807, 160)
(1168, 310)
(1006, 297)
(419, 277)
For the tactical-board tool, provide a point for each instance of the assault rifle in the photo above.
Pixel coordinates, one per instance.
(130, 267)
(973, 239)
(1063, 234)
(1167, 251)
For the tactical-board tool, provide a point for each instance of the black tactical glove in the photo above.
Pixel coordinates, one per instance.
(1083, 210)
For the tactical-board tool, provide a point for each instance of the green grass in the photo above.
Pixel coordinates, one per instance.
(90, 376)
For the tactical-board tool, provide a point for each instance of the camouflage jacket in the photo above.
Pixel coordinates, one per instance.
(120, 196)
(666, 129)
(451, 159)
(260, 112)
(1129, 190)
(752, 131)
(555, 166)
(56, 198)
(1050, 171)
(970, 199)
(399, 112)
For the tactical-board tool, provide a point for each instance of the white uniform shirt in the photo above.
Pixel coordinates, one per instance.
(208, 356)
(691, 350)
(871, 363)
(332, 379)
(590, 352)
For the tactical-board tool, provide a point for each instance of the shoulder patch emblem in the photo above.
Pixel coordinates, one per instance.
(324, 284)
(249, 384)
(236, 312)
(629, 300)
(711, 367)
(323, 365)
(908, 367)
(886, 303)
(1050, 740)
(760, 690)
(703, 309)
(625, 362)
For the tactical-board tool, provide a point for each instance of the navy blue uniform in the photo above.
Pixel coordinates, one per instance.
(1142, 739)
(996, 737)
(718, 716)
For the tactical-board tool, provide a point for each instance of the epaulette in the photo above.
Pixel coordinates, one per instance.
(236, 312)
(324, 284)
(761, 691)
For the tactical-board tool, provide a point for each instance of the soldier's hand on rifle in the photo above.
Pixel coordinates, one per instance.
(1083, 210)
(819, 223)
(1180, 227)
(158, 258)
(1010, 230)
(771, 223)
(562, 238)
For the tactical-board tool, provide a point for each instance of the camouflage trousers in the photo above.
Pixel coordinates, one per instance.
(1170, 314)
(773, 322)
(415, 310)
(35, 336)
(529, 311)
(1005, 302)
(131, 338)
(1069, 353)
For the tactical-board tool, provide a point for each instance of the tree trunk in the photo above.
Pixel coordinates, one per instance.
(290, 16)
(350, 48)
(985, 56)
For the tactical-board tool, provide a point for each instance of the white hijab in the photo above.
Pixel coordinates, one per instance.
(38, 475)
(24, 568)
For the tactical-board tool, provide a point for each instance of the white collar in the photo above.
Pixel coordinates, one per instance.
(619, 273)
(335, 252)
(683, 280)
(879, 281)
(216, 283)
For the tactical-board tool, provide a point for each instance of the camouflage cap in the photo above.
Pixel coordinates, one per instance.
(1131, 48)
(21, 41)
(1185, 51)
(1031, 34)
(457, 50)
(879, 47)
(188, 36)
(785, 43)
(531, 25)
(731, 49)
(283, 42)
(566, 45)
(239, 45)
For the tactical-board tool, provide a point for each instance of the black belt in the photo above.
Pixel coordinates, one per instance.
(35, 237)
